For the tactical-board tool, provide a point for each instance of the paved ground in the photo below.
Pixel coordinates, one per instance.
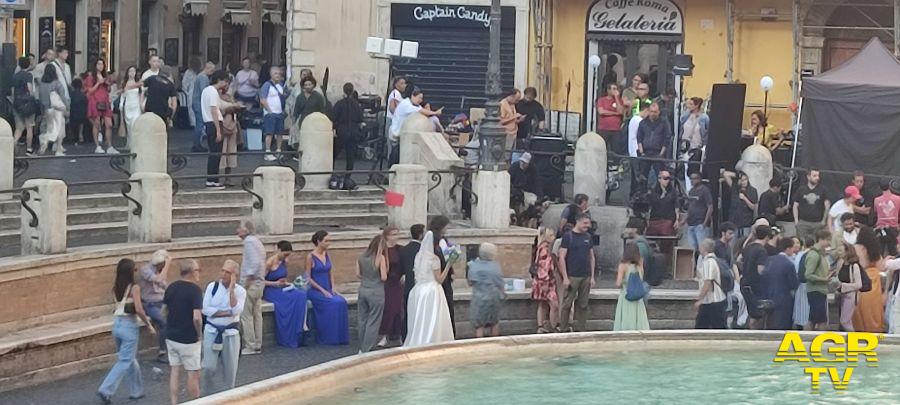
(80, 169)
(81, 389)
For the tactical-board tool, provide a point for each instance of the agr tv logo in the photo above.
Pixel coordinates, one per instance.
(827, 353)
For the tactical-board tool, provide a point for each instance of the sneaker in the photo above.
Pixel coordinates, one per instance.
(210, 185)
(269, 157)
(29, 151)
(249, 352)
(99, 150)
(43, 148)
(60, 152)
(112, 151)
(104, 399)
(383, 342)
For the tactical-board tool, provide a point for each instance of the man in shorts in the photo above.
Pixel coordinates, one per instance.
(817, 278)
(184, 324)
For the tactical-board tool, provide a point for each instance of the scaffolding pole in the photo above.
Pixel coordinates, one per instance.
(729, 66)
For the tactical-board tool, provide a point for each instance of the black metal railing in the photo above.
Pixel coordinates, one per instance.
(246, 184)
(179, 161)
(462, 178)
(377, 178)
(117, 162)
(24, 196)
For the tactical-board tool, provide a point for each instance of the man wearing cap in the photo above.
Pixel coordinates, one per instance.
(843, 206)
(519, 173)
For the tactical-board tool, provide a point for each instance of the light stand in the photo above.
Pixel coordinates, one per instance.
(492, 136)
(594, 62)
(766, 84)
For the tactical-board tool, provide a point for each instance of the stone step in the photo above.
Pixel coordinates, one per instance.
(90, 201)
(10, 222)
(113, 232)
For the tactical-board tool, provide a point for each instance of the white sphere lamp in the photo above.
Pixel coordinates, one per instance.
(766, 83)
(594, 61)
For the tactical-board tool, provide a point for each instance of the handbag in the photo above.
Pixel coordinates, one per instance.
(101, 106)
(120, 306)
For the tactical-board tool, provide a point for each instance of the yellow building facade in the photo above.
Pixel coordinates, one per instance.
(763, 45)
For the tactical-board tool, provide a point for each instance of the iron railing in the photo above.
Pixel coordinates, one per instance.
(117, 162)
(24, 195)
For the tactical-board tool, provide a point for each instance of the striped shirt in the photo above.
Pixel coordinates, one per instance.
(708, 270)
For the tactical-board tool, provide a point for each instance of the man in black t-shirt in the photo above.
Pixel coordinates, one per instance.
(663, 199)
(534, 115)
(161, 94)
(184, 324)
(723, 244)
(755, 258)
(810, 205)
(770, 202)
(576, 262)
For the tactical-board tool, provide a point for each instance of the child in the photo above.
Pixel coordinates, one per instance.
(77, 112)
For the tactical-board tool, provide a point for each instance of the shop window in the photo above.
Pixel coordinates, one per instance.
(21, 30)
(108, 40)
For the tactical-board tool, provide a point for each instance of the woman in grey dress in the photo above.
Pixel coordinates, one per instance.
(487, 291)
(372, 270)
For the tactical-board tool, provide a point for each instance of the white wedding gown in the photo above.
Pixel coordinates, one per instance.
(428, 316)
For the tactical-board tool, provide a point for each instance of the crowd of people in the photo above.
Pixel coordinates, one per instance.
(405, 297)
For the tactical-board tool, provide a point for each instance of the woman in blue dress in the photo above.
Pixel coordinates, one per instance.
(290, 302)
(332, 326)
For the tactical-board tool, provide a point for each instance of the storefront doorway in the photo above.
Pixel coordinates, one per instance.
(66, 28)
(21, 31)
(629, 39)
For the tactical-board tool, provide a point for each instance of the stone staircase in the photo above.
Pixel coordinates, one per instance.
(103, 218)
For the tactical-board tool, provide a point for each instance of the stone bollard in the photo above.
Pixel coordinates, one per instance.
(492, 210)
(411, 136)
(152, 221)
(756, 161)
(45, 233)
(590, 168)
(149, 143)
(317, 144)
(412, 182)
(275, 184)
(7, 150)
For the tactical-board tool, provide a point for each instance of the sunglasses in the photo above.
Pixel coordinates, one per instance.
(665, 178)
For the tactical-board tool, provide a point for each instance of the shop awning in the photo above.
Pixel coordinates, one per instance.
(236, 17)
(194, 7)
(273, 16)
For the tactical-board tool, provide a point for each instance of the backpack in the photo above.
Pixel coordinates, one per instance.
(726, 276)
(636, 289)
(24, 103)
(802, 273)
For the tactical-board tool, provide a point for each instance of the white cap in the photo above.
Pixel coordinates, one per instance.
(526, 157)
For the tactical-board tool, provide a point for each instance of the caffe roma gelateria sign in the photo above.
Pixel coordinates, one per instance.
(636, 16)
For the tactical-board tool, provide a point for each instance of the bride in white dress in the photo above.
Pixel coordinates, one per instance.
(132, 100)
(428, 316)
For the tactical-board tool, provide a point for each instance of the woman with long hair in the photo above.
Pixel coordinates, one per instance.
(99, 110)
(231, 127)
(329, 307)
(630, 315)
(54, 99)
(760, 131)
(372, 271)
(869, 314)
(850, 283)
(289, 302)
(131, 101)
(392, 319)
(126, 331)
(543, 287)
(443, 248)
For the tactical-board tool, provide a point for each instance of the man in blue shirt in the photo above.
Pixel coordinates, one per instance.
(654, 137)
(576, 262)
(780, 281)
(200, 83)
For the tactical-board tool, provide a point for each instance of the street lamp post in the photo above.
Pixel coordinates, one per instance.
(492, 136)
(766, 84)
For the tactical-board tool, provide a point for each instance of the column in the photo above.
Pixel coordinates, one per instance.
(317, 143)
(7, 149)
(43, 9)
(590, 168)
(128, 35)
(275, 185)
(87, 41)
(151, 222)
(492, 210)
(410, 181)
(149, 144)
(45, 232)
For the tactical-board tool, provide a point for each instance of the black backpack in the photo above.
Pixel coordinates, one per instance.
(24, 104)
(726, 276)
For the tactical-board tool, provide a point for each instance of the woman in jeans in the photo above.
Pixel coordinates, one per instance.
(99, 110)
(126, 331)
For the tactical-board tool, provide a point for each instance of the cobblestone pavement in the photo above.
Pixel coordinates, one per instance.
(82, 388)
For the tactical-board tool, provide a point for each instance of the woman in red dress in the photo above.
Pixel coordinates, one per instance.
(99, 109)
(543, 287)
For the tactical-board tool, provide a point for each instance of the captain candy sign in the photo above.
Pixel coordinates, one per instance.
(636, 16)
(442, 15)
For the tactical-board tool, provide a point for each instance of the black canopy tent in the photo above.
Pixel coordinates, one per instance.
(851, 118)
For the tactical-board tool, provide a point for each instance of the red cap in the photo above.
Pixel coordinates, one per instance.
(852, 192)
